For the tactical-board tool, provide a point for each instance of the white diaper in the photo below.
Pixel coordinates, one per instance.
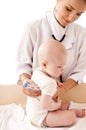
(38, 123)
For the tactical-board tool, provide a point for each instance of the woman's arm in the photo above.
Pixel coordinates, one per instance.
(29, 92)
(68, 84)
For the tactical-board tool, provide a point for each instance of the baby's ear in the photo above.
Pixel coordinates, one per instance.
(43, 64)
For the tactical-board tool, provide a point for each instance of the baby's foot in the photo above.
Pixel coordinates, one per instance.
(65, 106)
(80, 112)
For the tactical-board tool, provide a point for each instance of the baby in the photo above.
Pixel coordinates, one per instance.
(43, 111)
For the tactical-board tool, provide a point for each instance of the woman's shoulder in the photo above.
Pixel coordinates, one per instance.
(37, 24)
(77, 27)
(40, 23)
(77, 30)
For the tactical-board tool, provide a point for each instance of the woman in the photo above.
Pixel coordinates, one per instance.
(58, 25)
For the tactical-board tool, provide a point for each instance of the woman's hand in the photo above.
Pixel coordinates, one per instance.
(31, 92)
(34, 91)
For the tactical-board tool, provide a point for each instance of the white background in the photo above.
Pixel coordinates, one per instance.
(14, 16)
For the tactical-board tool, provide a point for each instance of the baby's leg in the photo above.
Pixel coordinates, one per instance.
(65, 106)
(60, 118)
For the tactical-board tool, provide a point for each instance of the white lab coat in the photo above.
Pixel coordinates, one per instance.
(41, 30)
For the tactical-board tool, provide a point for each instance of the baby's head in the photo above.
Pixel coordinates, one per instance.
(52, 57)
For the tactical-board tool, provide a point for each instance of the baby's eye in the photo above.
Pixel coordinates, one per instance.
(68, 9)
(79, 14)
(59, 67)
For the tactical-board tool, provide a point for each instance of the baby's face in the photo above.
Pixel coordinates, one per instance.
(56, 67)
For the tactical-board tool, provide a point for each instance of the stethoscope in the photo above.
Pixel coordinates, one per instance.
(59, 41)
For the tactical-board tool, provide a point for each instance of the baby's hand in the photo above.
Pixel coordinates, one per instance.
(59, 83)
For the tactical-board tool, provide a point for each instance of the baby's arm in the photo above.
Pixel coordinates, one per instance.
(48, 103)
(59, 83)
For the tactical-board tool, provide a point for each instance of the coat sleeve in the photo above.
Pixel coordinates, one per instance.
(80, 69)
(25, 53)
